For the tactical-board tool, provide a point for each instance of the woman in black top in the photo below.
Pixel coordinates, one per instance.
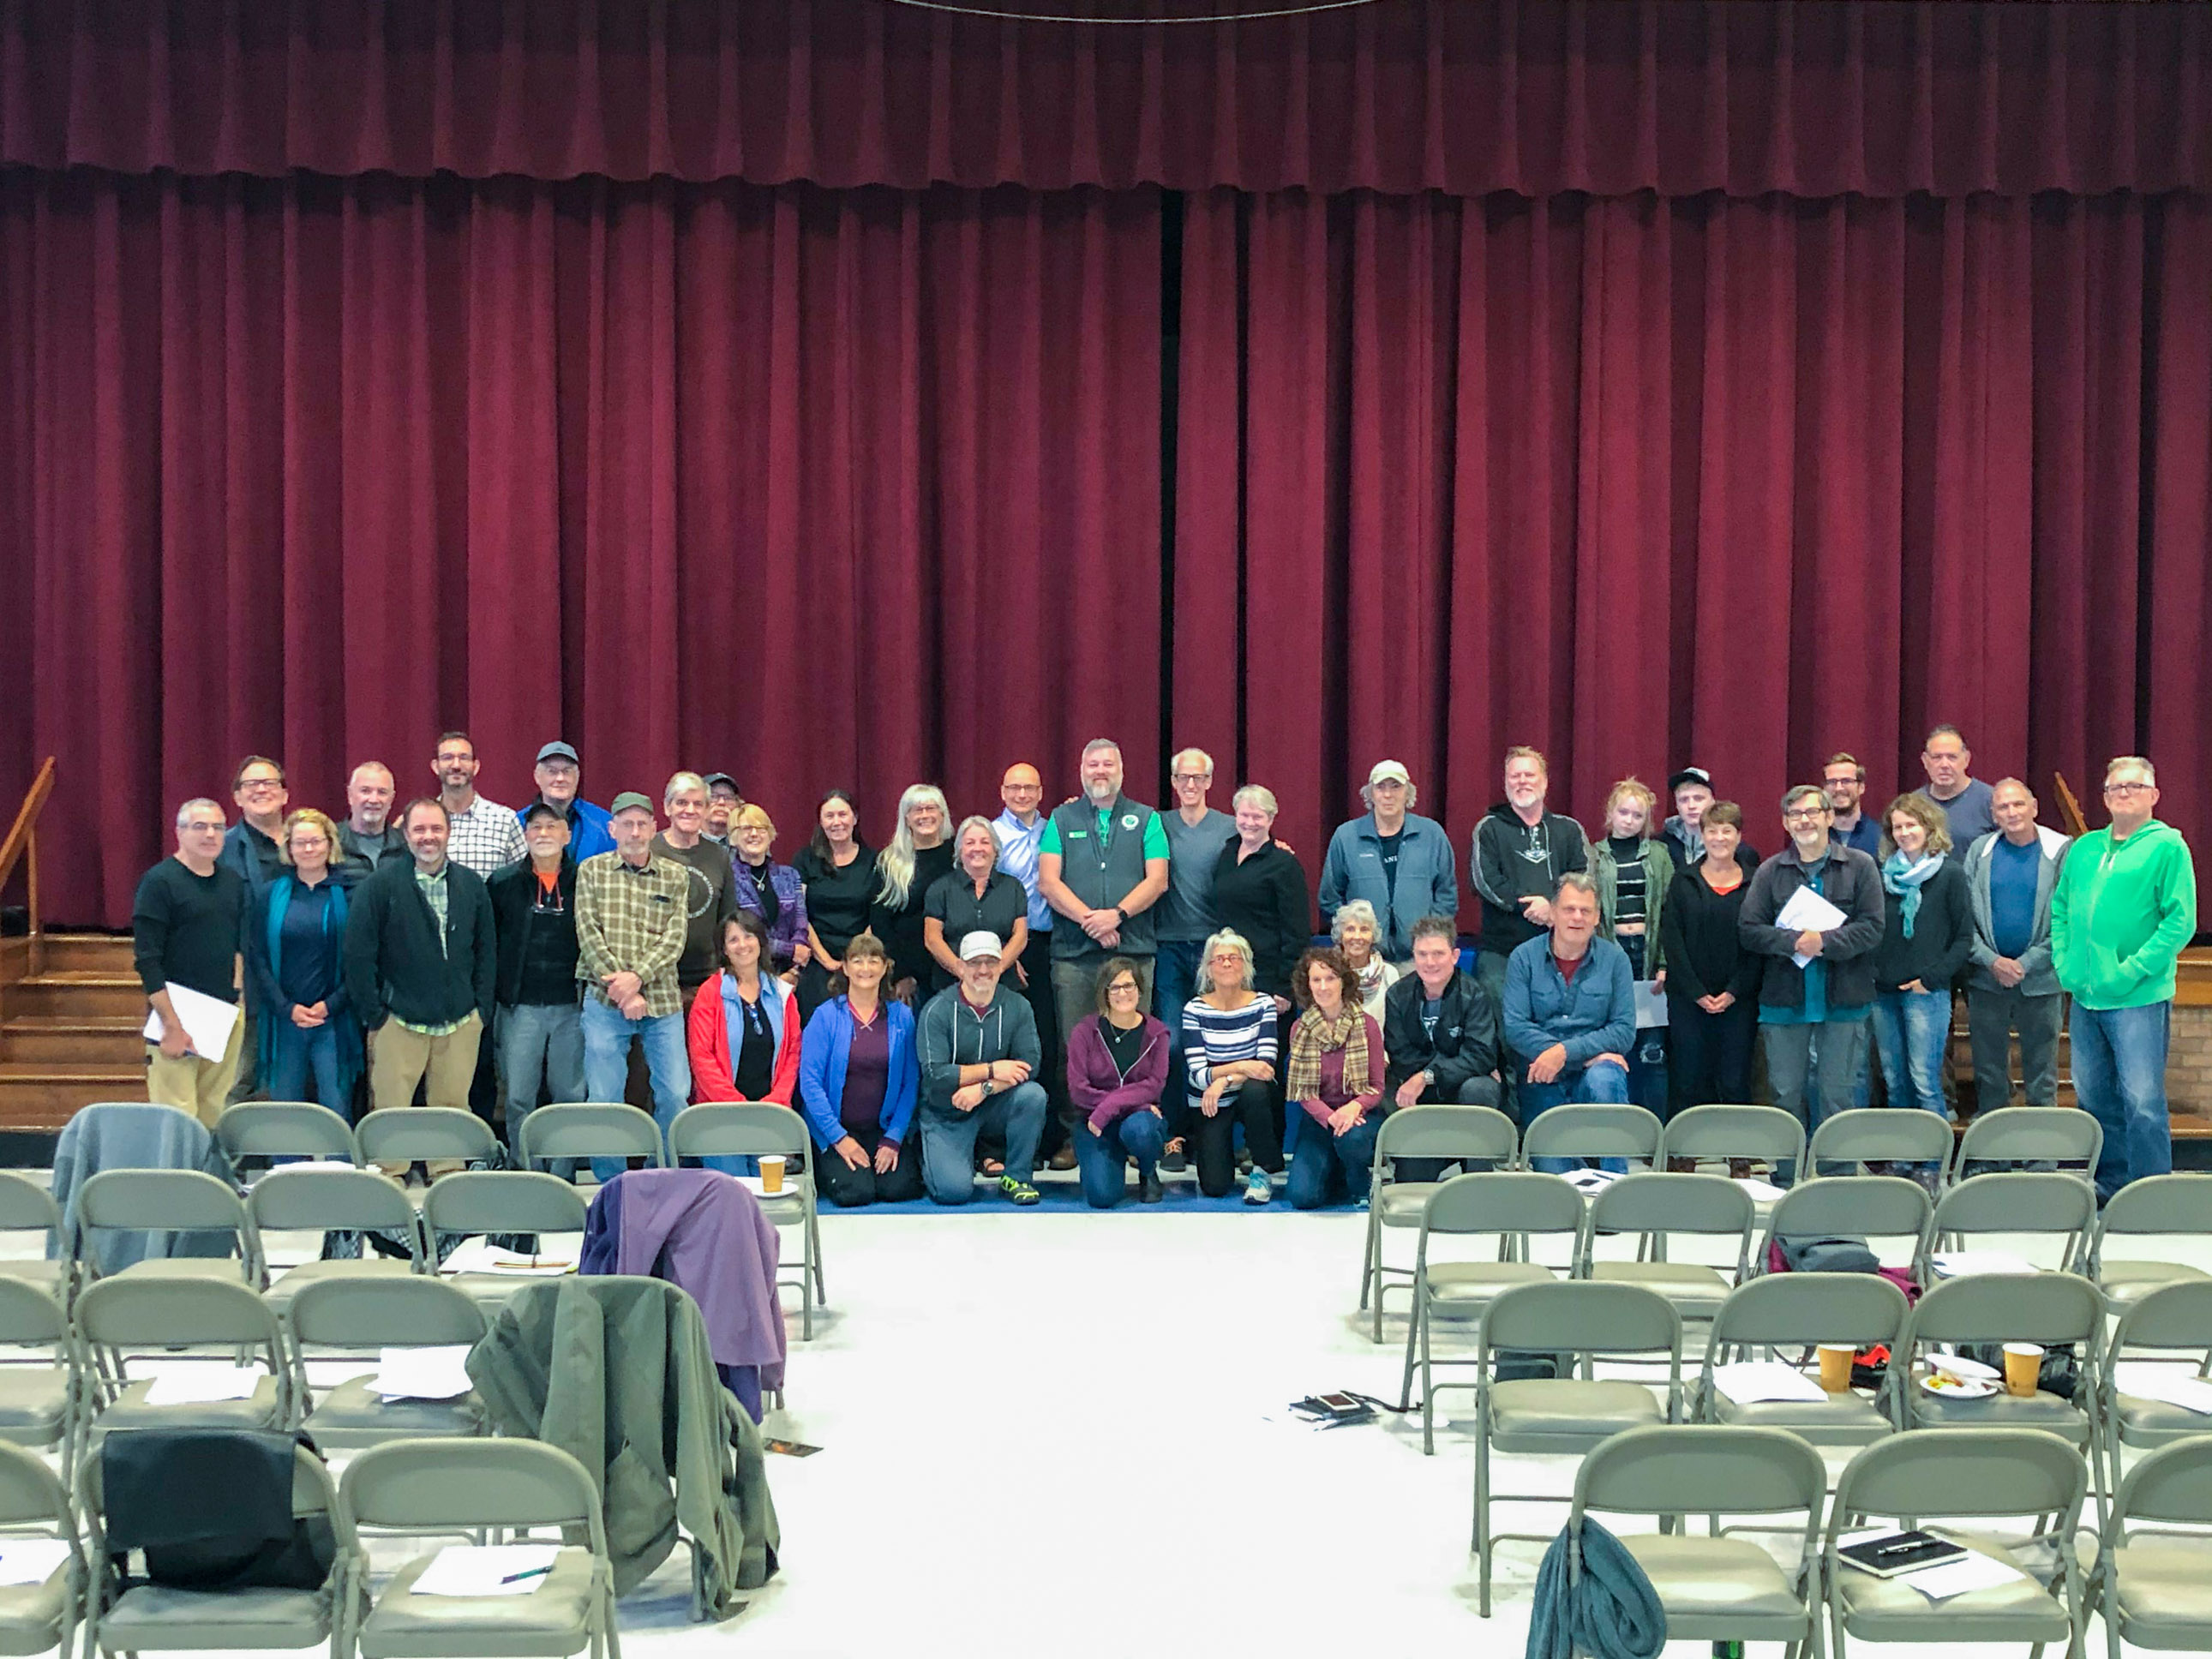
(838, 870)
(1927, 925)
(920, 852)
(1259, 891)
(1712, 981)
(977, 897)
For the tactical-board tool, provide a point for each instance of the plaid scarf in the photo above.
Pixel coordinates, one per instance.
(1314, 1036)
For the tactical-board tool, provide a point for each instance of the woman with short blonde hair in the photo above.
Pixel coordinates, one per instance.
(1228, 1045)
(294, 944)
(772, 891)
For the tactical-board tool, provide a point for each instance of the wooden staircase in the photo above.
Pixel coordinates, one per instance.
(70, 1015)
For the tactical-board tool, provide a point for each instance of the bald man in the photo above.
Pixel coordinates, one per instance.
(1018, 829)
(369, 835)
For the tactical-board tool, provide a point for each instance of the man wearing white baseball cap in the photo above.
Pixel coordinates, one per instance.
(1399, 861)
(979, 1049)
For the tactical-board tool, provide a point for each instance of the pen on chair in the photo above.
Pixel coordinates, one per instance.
(530, 1572)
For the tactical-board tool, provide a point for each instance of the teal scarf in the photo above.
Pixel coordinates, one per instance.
(1905, 880)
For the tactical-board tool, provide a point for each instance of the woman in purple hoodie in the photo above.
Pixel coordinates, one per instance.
(1117, 1070)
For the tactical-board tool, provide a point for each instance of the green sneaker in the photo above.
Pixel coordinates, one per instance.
(1018, 1191)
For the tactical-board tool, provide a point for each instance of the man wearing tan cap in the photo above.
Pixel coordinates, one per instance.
(1399, 861)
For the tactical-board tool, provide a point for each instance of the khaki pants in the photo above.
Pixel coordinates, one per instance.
(399, 1058)
(201, 1087)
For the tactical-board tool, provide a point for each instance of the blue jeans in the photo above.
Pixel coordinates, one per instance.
(948, 1140)
(295, 1053)
(2120, 1075)
(1912, 1032)
(541, 1046)
(1101, 1159)
(1332, 1165)
(1175, 978)
(1604, 1085)
(607, 1038)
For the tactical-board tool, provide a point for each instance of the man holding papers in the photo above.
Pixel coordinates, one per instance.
(185, 940)
(1815, 911)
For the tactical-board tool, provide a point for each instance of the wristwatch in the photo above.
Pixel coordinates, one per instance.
(1123, 916)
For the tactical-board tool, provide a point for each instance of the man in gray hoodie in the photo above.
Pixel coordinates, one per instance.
(2011, 983)
(979, 1049)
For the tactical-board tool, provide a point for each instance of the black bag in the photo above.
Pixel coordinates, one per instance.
(1841, 1253)
(211, 1509)
(2061, 1374)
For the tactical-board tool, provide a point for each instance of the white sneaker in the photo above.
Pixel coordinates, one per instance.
(1257, 1188)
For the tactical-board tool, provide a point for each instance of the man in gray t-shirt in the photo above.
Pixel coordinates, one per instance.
(1196, 835)
(1966, 799)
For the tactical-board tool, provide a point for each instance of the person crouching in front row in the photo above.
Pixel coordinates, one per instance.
(979, 1060)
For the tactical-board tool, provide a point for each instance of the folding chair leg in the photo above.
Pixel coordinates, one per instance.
(1414, 1321)
(1482, 1509)
(1428, 1391)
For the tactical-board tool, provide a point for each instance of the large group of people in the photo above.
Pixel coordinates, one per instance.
(1110, 988)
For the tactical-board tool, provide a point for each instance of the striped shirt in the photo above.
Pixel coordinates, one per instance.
(632, 919)
(484, 838)
(1211, 1038)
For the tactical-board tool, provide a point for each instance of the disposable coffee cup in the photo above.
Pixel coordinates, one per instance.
(2023, 1367)
(1836, 1366)
(771, 1174)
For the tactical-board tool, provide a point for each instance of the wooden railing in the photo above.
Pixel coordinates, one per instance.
(2069, 808)
(22, 847)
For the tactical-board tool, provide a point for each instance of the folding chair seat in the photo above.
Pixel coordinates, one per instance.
(2154, 1587)
(2157, 1207)
(175, 1202)
(2174, 1320)
(369, 1315)
(2062, 1208)
(34, 1503)
(1449, 1135)
(327, 1200)
(1864, 1206)
(1652, 1207)
(1800, 1311)
(502, 1202)
(125, 1315)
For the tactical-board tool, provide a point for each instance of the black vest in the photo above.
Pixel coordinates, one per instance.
(1102, 876)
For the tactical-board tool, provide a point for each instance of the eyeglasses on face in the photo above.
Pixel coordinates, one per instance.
(1805, 814)
(2128, 788)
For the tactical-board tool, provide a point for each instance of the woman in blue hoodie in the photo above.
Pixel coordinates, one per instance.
(857, 1076)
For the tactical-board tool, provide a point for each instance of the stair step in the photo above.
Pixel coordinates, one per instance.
(76, 952)
(66, 1041)
(78, 995)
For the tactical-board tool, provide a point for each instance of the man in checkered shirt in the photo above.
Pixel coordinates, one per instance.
(485, 835)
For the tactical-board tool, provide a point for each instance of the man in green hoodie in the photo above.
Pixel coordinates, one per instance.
(2125, 905)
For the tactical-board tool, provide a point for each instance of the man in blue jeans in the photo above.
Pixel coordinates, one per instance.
(2125, 906)
(1570, 1013)
(633, 909)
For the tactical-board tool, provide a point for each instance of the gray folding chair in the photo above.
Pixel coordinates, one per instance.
(124, 1317)
(1511, 1207)
(2170, 1328)
(1565, 1414)
(1879, 1134)
(1868, 1207)
(1590, 1130)
(158, 1618)
(588, 1129)
(400, 1135)
(35, 1503)
(175, 1202)
(1763, 1134)
(327, 1200)
(354, 1317)
(1986, 1474)
(2157, 1207)
(748, 1129)
(2153, 1585)
(436, 1487)
(2062, 1208)
(1651, 1209)
(42, 1390)
(2049, 1137)
(284, 1129)
(1716, 1588)
(28, 1207)
(503, 1202)
(1450, 1134)
(1795, 1313)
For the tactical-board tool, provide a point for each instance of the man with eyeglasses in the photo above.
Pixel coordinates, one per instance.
(1196, 834)
(559, 775)
(2124, 907)
(1818, 987)
(482, 836)
(251, 850)
(1965, 799)
(185, 923)
(1843, 781)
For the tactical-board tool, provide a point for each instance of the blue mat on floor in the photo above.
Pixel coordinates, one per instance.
(1065, 1197)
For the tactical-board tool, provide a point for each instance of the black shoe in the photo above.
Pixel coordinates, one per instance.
(1174, 1163)
(1148, 1190)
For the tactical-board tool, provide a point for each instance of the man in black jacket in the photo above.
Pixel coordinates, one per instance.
(540, 1028)
(421, 957)
(1440, 1031)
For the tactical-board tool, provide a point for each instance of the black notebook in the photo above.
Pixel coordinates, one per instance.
(1894, 1553)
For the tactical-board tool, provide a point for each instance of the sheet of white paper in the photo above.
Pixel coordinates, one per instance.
(207, 1020)
(1964, 1264)
(1762, 1192)
(1807, 912)
(557, 1253)
(2146, 1380)
(432, 1373)
(1946, 1579)
(1590, 1181)
(30, 1560)
(202, 1385)
(1753, 1381)
(487, 1569)
(1650, 1004)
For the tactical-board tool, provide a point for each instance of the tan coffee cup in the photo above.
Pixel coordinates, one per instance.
(1836, 1366)
(2023, 1367)
(771, 1166)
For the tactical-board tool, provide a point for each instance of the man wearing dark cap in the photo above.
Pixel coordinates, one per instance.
(723, 799)
(559, 775)
(632, 912)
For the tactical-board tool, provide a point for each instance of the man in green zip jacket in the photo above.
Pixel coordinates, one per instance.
(2125, 906)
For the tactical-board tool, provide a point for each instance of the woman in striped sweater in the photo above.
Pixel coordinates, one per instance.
(1229, 1049)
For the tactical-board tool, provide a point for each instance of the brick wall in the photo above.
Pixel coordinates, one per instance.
(2188, 1063)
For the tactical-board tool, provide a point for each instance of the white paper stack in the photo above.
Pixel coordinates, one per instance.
(30, 1560)
(469, 1569)
(1590, 1181)
(1964, 1264)
(1807, 912)
(207, 1021)
(2169, 1384)
(557, 1253)
(433, 1373)
(203, 1385)
(1942, 1580)
(1754, 1382)
(1762, 1192)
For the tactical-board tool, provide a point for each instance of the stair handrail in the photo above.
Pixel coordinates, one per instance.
(22, 843)
(2070, 809)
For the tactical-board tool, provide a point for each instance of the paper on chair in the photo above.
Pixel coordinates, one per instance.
(30, 1560)
(1762, 1192)
(1946, 1579)
(1650, 1004)
(477, 1254)
(488, 1570)
(1589, 1181)
(2167, 1384)
(207, 1020)
(440, 1372)
(1964, 1264)
(1807, 912)
(1752, 1382)
(202, 1385)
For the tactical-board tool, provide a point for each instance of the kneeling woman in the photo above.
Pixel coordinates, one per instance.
(1229, 1053)
(1117, 1070)
(1335, 1077)
(857, 1076)
(744, 1027)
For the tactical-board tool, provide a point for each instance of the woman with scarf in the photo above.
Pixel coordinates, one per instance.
(294, 958)
(1335, 1076)
(772, 891)
(1353, 931)
(1926, 932)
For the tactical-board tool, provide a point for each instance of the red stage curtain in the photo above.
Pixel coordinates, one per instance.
(1646, 483)
(852, 488)
(1815, 97)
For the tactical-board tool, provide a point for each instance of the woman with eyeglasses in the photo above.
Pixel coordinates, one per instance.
(295, 968)
(1117, 1076)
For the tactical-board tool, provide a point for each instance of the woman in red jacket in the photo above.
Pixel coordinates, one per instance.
(744, 1028)
(1117, 1070)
